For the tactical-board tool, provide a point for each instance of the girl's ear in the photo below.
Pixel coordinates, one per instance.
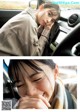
(41, 7)
(56, 72)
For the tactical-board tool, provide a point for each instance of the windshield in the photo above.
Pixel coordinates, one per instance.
(22, 4)
(17, 4)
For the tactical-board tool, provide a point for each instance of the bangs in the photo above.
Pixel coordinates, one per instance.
(51, 5)
(15, 68)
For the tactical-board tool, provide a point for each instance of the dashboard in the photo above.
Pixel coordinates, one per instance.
(67, 24)
(61, 35)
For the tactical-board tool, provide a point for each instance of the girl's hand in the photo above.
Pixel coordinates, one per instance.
(48, 26)
(30, 102)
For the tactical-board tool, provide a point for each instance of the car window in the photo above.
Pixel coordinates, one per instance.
(22, 4)
(17, 4)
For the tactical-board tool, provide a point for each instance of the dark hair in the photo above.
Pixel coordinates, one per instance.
(54, 6)
(14, 64)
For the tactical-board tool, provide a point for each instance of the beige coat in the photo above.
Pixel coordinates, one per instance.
(19, 36)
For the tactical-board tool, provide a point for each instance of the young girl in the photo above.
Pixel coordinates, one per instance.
(19, 36)
(38, 85)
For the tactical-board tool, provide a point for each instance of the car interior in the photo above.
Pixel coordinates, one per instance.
(64, 38)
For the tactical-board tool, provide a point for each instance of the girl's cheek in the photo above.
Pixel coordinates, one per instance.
(44, 85)
(21, 91)
(46, 88)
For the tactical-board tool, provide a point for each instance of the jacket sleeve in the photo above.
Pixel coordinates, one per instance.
(35, 46)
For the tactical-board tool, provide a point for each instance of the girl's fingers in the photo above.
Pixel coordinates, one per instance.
(37, 102)
(44, 100)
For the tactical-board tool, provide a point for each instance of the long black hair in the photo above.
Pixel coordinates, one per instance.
(14, 66)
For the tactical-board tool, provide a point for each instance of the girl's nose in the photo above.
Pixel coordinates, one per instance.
(31, 90)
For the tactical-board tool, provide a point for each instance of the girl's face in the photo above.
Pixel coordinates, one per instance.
(34, 83)
(46, 17)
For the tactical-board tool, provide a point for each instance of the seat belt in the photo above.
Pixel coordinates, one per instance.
(70, 100)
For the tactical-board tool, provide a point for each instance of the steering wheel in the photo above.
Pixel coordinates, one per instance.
(72, 39)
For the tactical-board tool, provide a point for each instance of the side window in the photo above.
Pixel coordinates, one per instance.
(17, 4)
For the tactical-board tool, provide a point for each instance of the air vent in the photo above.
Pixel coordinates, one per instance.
(73, 20)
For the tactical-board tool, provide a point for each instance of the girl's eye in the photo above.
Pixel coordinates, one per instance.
(50, 14)
(20, 85)
(36, 80)
(38, 77)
